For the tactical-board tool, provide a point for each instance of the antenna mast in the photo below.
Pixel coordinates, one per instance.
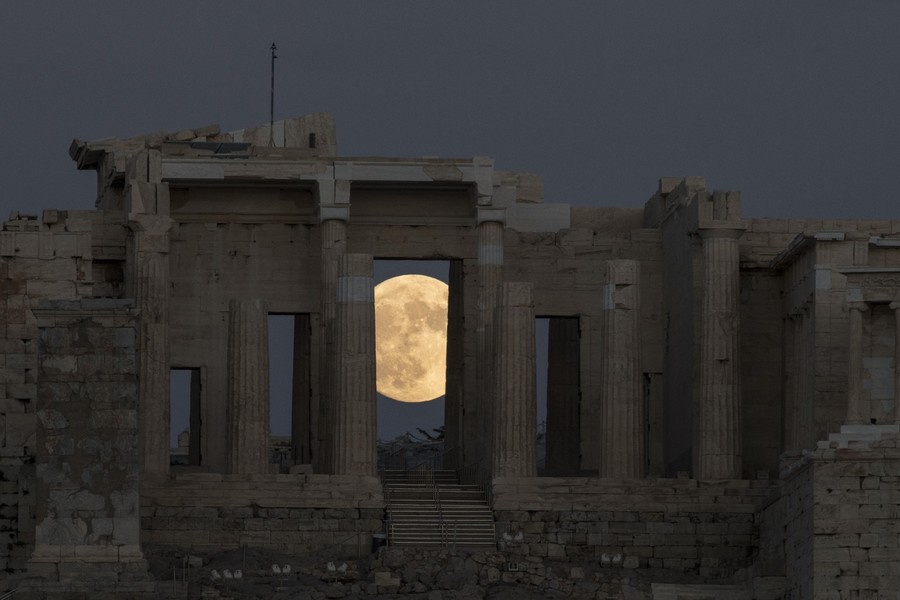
(272, 100)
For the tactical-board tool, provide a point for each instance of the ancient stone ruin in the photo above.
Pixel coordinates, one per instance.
(723, 396)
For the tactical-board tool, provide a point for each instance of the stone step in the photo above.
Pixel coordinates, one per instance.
(435, 528)
(460, 515)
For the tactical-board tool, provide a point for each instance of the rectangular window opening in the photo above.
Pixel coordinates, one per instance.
(541, 343)
(185, 427)
(283, 448)
(558, 366)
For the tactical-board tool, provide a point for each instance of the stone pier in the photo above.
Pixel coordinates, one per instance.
(623, 439)
(87, 535)
(490, 274)
(248, 387)
(719, 449)
(515, 413)
(453, 397)
(563, 397)
(353, 435)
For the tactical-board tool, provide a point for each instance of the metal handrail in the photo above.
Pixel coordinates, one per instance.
(9, 594)
(387, 501)
(395, 459)
(433, 463)
(447, 452)
(436, 494)
(476, 474)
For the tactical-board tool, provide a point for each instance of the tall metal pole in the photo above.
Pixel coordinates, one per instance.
(272, 101)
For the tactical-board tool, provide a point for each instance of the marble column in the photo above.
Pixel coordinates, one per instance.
(719, 451)
(248, 387)
(515, 414)
(150, 247)
(301, 409)
(855, 411)
(563, 397)
(895, 306)
(490, 273)
(334, 241)
(353, 438)
(623, 437)
(453, 398)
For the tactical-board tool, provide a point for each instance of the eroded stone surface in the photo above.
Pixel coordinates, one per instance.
(699, 345)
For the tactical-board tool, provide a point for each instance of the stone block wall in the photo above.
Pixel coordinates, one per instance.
(17, 503)
(40, 257)
(295, 514)
(86, 484)
(705, 529)
(840, 537)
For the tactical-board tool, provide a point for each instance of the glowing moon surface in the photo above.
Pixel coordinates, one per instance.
(411, 338)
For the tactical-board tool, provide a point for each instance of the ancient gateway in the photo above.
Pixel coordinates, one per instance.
(723, 397)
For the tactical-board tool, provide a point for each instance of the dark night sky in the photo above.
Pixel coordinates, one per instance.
(793, 103)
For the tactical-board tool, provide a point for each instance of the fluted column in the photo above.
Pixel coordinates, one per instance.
(563, 397)
(248, 387)
(334, 242)
(719, 453)
(490, 272)
(453, 409)
(353, 440)
(151, 293)
(895, 306)
(855, 412)
(515, 414)
(623, 438)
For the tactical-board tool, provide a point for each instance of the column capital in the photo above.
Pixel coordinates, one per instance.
(516, 293)
(334, 213)
(859, 305)
(491, 215)
(895, 305)
(150, 224)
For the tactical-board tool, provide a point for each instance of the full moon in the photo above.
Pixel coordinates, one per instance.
(411, 338)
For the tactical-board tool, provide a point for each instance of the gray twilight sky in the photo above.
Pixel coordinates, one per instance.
(796, 104)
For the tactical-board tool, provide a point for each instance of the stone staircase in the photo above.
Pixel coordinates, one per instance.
(432, 509)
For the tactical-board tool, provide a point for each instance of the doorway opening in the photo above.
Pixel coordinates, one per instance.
(558, 351)
(185, 430)
(290, 389)
(411, 374)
